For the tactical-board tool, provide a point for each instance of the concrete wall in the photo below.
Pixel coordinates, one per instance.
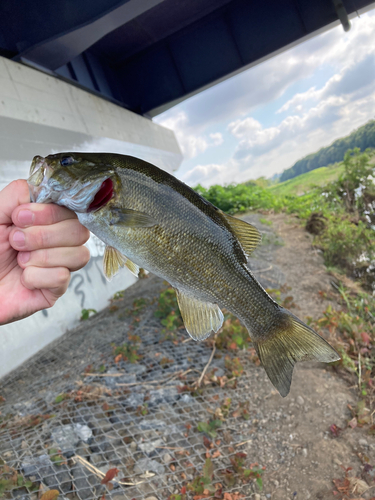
(40, 115)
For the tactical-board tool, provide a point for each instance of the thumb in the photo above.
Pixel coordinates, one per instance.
(13, 195)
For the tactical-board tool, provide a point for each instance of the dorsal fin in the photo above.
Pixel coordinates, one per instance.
(200, 318)
(247, 234)
(113, 260)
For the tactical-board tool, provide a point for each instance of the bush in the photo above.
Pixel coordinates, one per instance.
(347, 205)
(346, 244)
(355, 187)
(233, 199)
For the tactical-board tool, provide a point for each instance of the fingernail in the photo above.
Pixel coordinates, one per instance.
(24, 257)
(19, 239)
(25, 217)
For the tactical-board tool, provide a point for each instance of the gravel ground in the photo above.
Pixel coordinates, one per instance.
(72, 413)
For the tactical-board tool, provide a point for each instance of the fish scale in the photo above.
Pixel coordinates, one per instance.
(149, 219)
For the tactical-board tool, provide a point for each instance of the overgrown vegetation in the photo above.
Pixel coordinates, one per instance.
(352, 332)
(347, 206)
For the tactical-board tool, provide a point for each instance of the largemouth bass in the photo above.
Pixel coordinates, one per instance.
(148, 218)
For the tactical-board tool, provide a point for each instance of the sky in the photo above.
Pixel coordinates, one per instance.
(260, 122)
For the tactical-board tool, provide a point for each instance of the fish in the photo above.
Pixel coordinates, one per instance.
(149, 219)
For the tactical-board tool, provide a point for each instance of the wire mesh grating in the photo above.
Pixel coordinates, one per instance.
(72, 413)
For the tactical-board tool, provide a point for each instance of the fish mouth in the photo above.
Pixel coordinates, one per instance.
(40, 173)
(81, 196)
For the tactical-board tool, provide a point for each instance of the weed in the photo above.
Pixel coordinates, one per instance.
(204, 482)
(233, 335)
(169, 313)
(10, 479)
(352, 332)
(56, 457)
(126, 352)
(266, 222)
(142, 410)
(234, 367)
(210, 427)
(85, 313)
(254, 472)
(242, 410)
(166, 362)
(60, 398)
(177, 496)
(139, 305)
(223, 411)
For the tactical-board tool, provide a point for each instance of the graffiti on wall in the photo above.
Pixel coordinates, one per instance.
(82, 279)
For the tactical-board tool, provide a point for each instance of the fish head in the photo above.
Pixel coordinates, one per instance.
(82, 182)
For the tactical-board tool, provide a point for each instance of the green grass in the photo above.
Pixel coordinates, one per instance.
(303, 183)
(347, 238)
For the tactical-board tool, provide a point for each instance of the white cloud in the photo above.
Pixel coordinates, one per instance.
(217, 139)
(297, 100)
(191, 141)
(191, 145)
(213, 173)
(242, 128)
(349, 80)
(204, 174)
(263, 140)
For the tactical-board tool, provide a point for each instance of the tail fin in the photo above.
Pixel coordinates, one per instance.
(291, 341)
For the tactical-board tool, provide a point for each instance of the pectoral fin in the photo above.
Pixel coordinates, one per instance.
(113, 260)
(130, 218)
(248, 235)
(200, 318)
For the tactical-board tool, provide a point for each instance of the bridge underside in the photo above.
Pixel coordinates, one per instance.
(146, 55)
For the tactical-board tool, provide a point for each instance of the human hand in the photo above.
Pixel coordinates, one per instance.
(40, 244)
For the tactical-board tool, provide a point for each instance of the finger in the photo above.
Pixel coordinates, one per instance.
(55, 279)
(73, 258)
(14, 194)
(40, 214)
(68, 233)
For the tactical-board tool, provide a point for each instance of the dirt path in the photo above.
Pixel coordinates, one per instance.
(139, 419)
(318, 397)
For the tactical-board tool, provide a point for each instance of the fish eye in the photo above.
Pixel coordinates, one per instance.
(67, 160)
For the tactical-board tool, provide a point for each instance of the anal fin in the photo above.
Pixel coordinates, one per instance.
(200, 318)
(113, 260)
(133, 268)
